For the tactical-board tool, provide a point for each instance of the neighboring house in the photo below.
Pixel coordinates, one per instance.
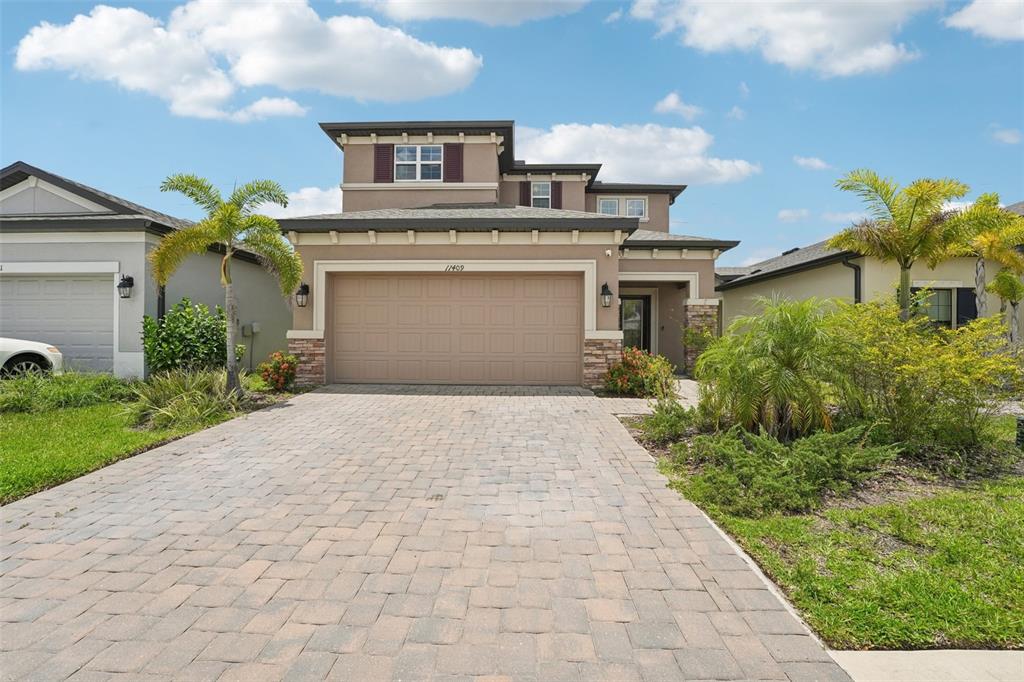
(64, 247)
(454, 263)
(819, 271)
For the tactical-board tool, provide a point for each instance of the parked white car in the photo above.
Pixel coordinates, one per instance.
(21, 357)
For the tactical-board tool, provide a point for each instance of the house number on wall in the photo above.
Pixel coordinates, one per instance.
(454, 268)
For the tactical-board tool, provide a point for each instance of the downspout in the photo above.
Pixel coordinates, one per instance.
(856, 277)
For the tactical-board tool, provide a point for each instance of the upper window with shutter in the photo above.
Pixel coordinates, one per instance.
(418, 162)
(540, 194)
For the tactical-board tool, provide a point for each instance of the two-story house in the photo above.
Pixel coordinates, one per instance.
(452, 262)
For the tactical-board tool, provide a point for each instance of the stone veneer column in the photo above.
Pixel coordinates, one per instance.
(312, 369)
(598, 356)
(699, 317)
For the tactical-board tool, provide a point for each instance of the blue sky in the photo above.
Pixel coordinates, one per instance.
(120, 96)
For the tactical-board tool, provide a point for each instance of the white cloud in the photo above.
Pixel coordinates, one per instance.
(811, 163)
(208, 50)
(266, 107)
(996, 19)
(673, 104)
(613, 16)
(791, 215)
(744, 89)
(493, 13)
(634, 153)
(306, 201)
(844, 217)
(736, 113)
(1006, 135)
(832, 38)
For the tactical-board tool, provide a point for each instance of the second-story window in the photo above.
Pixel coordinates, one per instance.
(636, 208)
(608, 206)
(540, 194)
(417, 162)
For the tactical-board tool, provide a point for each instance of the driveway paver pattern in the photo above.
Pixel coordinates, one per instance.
(405, 533)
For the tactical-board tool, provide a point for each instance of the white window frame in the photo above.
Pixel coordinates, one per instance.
(625, 207)
(615, 199)
(621, 206)
(418, 163)
(533, 195)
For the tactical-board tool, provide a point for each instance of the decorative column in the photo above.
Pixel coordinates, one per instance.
(701, 318)
(598, 357)
(312, 367)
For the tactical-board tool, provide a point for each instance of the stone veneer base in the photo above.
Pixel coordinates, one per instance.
(699, 318)
(598, 357)
(312, 369)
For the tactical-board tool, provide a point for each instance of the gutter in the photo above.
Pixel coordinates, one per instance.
(848, 262)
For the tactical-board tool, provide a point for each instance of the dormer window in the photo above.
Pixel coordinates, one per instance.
(418, 162)
(540, 194)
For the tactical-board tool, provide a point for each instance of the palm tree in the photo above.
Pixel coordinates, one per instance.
(232, 225)
(904, 223)
(989, 233)
(1008, 286)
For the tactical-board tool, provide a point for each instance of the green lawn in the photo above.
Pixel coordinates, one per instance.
(937, 571)
(40, 450)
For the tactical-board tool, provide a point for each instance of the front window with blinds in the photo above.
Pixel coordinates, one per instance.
(540, 194)
(418, 162)
(939, 307)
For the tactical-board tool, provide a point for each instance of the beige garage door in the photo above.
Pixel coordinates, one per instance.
(457, 329)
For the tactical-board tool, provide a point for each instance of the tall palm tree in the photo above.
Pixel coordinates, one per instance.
(1008, 286)
(232, 225)
(904, 223)
(989, 233)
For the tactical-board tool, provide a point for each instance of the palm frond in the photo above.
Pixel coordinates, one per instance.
(251, 195)
(1007, 286)
(176, 246)
(275, 254)
(880, 194)
(200, 190)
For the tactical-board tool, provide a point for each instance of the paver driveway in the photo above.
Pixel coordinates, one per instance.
(375, 533)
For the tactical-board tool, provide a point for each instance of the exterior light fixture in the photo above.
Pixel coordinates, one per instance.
(606, 296)
(124, 287)
(302, 295)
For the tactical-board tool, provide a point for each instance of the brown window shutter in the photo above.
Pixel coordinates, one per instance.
(556, 194)
(383, 163)
(453, 162)
(524, 194)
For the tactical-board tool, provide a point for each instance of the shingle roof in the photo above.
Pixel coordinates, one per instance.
(19, 170)
(668, 240)
(793, 260)
(1016, 208)
(461, 217)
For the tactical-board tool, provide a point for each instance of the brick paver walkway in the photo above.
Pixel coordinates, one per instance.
(370, 533)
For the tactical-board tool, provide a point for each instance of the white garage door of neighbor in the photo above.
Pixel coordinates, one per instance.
(73, 312)
(493, 328)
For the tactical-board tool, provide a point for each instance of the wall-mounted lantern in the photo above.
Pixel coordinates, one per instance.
(606, 296)
(302, 295)
(124, 287)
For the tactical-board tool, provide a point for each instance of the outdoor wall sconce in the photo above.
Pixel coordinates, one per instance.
(302, 295)
(124, 287)
(606, 296)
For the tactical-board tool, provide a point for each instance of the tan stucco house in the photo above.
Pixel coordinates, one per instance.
(64, 248)
(825, 273)
(452, 262)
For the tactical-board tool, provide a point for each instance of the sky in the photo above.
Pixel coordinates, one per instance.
(757, 107)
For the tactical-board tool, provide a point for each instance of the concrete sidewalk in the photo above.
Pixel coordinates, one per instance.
(932, 666)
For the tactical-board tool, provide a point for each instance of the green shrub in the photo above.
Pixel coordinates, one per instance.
(254, 383)
(752, 475)
(642, 375)
(279, 371)
(669, 422)
(773, 371)
(39, 393)
(187, 337)
(184, 398)
(938, 391)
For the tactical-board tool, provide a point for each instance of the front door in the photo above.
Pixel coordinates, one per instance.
(635, 320)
